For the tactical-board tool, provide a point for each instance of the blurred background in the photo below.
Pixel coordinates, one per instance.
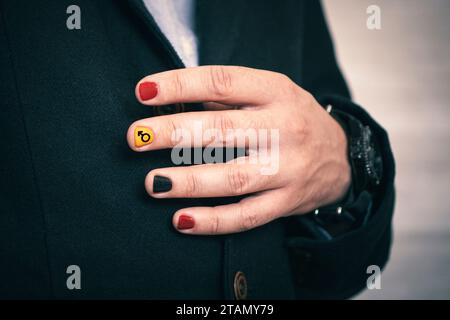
(401, 75)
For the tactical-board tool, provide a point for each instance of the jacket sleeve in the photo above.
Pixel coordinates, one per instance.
(337, 268)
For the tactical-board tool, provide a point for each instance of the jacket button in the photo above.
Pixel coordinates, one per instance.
(169, 109)
(240, 286)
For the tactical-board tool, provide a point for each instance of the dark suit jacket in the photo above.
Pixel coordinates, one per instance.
(71, 191)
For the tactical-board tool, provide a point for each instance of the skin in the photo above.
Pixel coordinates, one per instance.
(313, 165)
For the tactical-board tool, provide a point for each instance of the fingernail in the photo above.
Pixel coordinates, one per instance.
(161, 184)
(142, 136)
(185, 222)
(148, 90)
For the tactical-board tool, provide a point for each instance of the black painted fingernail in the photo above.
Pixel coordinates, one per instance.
(161, 184)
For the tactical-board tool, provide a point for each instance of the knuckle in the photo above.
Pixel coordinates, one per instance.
(261, 122)
(238, 181)
(307, 97)
(290, 89)
(192, 185)
(178, 85)
(299, 130)
(294, 91)
(220, 81)
(284, 78)
(215, 223)
(223, 123)
(170, 130)
(248, 220)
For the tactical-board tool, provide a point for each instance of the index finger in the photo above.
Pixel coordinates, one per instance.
(222, 84)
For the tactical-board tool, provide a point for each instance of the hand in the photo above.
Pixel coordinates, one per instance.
(313, 168)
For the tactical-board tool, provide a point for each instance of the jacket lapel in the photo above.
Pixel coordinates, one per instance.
(216, 26)
(142, 13)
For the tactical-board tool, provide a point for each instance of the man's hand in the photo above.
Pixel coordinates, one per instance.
(313, 167)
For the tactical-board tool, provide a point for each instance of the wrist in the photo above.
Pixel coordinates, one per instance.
(343, 172)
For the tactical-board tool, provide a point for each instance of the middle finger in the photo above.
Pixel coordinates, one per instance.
(197, 129)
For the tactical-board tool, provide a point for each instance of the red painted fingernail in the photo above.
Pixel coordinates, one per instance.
(185, 222)
(148, 90)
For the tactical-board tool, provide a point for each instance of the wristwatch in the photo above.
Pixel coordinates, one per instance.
(363, 151)
(366, 165)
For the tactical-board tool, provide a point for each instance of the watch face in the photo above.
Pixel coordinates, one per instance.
(364, 154)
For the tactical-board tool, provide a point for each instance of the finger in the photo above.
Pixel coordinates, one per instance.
(223, 84)
(234, 178)
(237, 128)
(247, 214)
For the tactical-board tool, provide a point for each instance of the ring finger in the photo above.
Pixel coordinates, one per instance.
(233, 178)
